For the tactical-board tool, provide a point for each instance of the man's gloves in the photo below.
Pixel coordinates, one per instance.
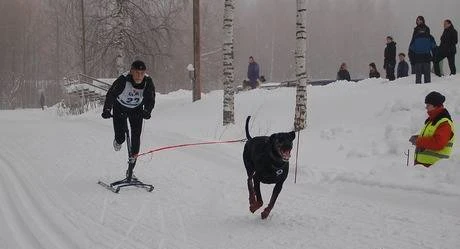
(106, 114)
(413, 139)
(146, 114)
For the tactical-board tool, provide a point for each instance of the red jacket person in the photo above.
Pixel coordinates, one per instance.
(436, 138)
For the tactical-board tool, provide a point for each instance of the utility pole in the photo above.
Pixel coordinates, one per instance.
(83, 36)
(196, 50)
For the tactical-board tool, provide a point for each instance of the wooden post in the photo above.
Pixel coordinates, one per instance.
(83, 33)
(196, 50)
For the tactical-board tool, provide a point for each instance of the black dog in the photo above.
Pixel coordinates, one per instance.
(266, 160)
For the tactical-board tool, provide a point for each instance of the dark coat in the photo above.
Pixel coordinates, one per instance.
(253, 71)
(118, 86)
(343, 74)
(374, 74)
(42, 99)
(449, 40)
(422, 48)
(403, 69)
(390, 55)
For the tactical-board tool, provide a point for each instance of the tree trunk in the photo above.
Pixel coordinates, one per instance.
(120, 24)
(83, 36)
(301, 71)
(229, 98)
(196, 51)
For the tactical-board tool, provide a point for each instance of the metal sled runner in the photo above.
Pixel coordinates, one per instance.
(116, 186)
(130, 180)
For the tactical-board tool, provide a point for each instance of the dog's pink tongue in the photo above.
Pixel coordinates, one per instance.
(286, 154)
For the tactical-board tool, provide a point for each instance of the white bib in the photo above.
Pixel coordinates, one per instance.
(131, 97)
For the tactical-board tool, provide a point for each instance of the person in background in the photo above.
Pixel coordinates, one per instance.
(343, 73)
(253, 72)
(373, 73)
(422, 50)
(447, 48)
(389, 63)
(403, 66)
(42, 100)
(420, 27)
(436, 139)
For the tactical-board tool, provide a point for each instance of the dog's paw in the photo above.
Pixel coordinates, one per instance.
(266, 212)
(255, 206)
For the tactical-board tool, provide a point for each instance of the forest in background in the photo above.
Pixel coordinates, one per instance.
(42, 44)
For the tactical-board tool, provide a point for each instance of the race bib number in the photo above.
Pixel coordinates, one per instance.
(131, 97)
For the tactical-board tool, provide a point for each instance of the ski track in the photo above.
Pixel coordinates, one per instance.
(50, 198)
(30, 209)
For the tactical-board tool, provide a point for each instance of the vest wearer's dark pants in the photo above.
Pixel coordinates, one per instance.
(422, 68)
(120, 124)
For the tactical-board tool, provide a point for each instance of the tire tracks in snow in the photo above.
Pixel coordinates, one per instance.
(61, 224)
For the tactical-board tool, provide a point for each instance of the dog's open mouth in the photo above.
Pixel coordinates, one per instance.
(285, 154)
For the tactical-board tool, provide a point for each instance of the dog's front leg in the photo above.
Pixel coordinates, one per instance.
(258, 203)
(252, 194)
(276, 192)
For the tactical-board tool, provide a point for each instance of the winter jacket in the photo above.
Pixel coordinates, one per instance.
(403, 69)
(442, 135)
(422, 49)
(449, 40)
(118, 89)
(390, 55)
(374, 74)
(422, 28)
(253, 71)
(343, 74)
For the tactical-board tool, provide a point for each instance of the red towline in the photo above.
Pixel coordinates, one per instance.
(187, 145)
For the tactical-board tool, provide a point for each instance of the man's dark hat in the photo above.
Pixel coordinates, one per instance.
(138, 65)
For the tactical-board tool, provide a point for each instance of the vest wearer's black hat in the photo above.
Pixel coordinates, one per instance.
(138, 65)
(435, 99)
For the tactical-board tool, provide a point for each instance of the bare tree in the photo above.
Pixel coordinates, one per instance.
(127, 29)
(301, 71)
(229, 98)
(42, 42)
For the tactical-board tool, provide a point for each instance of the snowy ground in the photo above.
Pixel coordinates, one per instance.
(353, 189)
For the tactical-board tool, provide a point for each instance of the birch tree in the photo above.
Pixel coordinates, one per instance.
(120, 25)
(123, 30)
(301, 71)
(228, 69)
